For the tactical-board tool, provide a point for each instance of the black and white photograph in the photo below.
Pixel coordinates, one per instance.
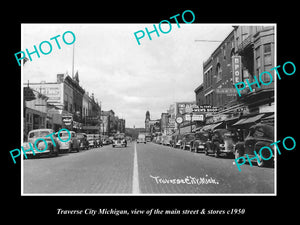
(143, 109)
(150, 111)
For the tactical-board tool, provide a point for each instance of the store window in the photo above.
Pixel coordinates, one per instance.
(258, 61)
(267, 55)
(219, 72)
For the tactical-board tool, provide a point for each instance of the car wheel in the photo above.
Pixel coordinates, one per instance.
(206, 150)
(217, 154)
(237, 155)
(260, 162)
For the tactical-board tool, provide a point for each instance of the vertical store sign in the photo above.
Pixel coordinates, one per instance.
(236, 69)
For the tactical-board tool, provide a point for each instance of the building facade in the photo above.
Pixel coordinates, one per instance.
(70, 103)
(217, 74)
(246, 52)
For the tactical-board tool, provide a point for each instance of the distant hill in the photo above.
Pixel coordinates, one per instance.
(133, 132)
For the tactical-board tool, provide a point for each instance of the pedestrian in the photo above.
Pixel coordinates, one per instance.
(216, 143)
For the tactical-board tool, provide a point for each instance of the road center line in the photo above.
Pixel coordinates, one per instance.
(135, 175)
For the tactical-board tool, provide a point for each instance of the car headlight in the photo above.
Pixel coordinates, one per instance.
(42, 146)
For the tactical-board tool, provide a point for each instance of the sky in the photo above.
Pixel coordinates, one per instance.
(124, 76)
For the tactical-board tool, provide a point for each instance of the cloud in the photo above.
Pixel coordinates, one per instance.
(127, 77)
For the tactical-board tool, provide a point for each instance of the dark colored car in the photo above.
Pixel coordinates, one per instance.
(200, 141)
(83, 142)
(259, 135)
(187, 141)
(216, 144)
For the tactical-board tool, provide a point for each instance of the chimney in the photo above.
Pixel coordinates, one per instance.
(60, 78)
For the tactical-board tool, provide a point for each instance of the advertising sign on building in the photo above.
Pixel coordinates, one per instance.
(184, 107)
(206, 108)
(236, 69)
(195, 117)
(67, 120)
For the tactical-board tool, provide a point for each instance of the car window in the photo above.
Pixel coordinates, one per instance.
(63, 134)
(31, 135)
(38, 134)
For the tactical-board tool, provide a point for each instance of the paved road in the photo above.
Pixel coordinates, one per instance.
(142, 169)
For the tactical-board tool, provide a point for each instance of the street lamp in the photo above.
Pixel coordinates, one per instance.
(191, 115)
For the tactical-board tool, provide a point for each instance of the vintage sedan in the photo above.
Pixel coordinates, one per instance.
(177, 140)
(91, 140)
(166, 140)
(187, 141)
(34, 135)
(216, 144)
(119, 141)
(71, 145)
(200, 141)
(259, 135)
(83, 142)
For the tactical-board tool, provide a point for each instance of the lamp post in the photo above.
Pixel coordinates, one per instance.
(191, 115)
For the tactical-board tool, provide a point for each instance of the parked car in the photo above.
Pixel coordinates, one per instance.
(200, 141)
(167, 140)
(83, 142)
(92, 140)
(141, 138)
(107, 140)
(33, 135)
(178, 139)
(215, 145)
(159, 139)
(187, 141)
(119, 141)
(222, 141)
(98, 139)
(71, 145)
(259, 135)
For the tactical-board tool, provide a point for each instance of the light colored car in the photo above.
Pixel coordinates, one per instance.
(34, 135)
(92, 140)
(71, 145)
(119, 141)
(141, 138)
(166, 140)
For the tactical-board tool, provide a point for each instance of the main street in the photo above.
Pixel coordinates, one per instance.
(142, 169)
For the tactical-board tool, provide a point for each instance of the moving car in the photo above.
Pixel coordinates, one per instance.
(259, 135)
(33, 135)
(107, 140)
(119, 141)
(148, 137)
(141, 138)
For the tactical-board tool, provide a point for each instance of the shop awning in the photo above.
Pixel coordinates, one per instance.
(211, 126)
(269, 117)
(249, 120)
(187, 129)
